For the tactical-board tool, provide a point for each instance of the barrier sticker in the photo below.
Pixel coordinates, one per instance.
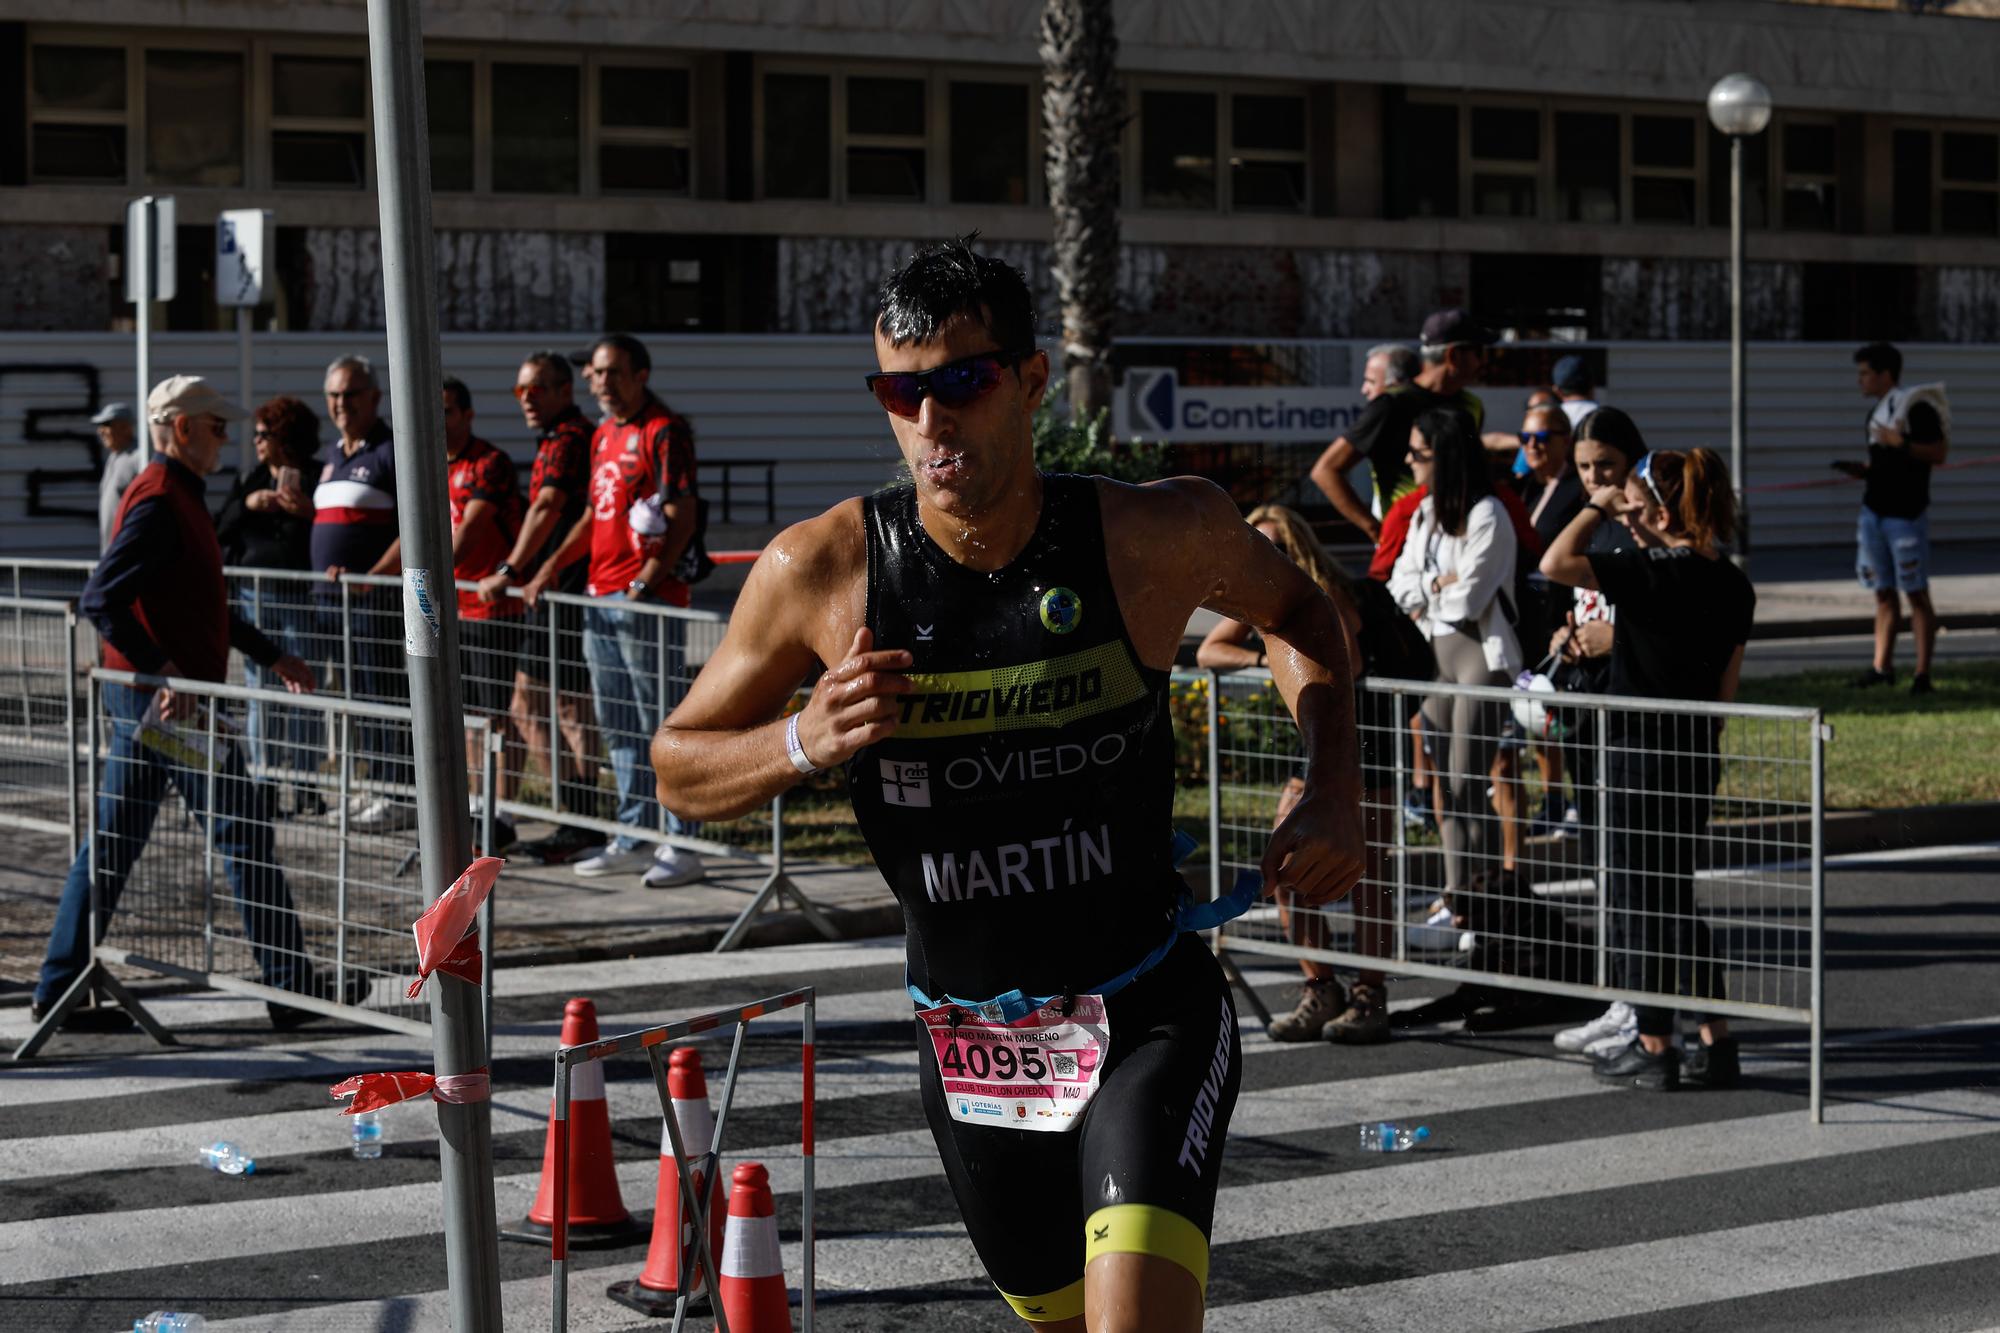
(420, 616)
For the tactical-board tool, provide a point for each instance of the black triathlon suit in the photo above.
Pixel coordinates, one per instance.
(1022, 813)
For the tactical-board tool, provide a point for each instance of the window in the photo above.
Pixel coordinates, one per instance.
(989, 143)
(448, 93)
(1969, 183)
(1756, 174)
(643, 140)
(797, 136)
(319, 121)
(194, 118)
(1422, 156)
(1663, 169)
(1506, 161)
(1177, 135)
(1587, 166)
(77, 103)
(535, 128)
(1811, 196)
(885, 138)
(1267, 159)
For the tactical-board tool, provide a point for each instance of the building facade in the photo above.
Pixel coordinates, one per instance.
(1292, 168)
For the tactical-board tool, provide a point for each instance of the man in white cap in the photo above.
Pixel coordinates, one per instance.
(121, 463)
(157, 597)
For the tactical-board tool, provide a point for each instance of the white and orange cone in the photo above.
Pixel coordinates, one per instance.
(597, 1214)
(658, 1288)
(753, 1269)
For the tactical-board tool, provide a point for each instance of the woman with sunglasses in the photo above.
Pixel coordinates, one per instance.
(998, 644)
(1684, 614)
(266, 523)
(1456, 569)
(1552, 492)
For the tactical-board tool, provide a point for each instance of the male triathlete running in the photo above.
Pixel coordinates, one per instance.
(998, 644)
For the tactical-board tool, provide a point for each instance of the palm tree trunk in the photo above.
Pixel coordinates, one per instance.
(1083, 112)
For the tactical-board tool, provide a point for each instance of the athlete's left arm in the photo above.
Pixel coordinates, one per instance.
(1210, 557)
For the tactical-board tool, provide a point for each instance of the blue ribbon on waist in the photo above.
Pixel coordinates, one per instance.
(1188, 916)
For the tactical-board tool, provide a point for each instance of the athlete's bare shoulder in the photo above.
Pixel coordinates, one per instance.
(810, 583)
(1161, 544)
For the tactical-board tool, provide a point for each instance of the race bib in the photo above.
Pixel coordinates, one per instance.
(1038, 1072)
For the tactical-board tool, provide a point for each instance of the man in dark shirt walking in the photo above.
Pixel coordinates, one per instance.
(1907, 433)
(158, 599)
(558, 500)
(1453, 350)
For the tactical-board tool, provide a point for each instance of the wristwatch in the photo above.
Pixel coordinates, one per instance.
(636, 589)
(504, 570)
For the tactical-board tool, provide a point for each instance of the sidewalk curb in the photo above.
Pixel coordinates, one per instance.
(772, 928)
(1836, 627)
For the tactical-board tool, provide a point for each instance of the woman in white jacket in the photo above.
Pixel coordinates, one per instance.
(1455, 578)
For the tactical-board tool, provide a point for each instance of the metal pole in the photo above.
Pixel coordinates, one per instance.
(1401, 721)
(143, 253)
(430, 620)
(1603, 835)
(1738, 411)
(246, 450)
(1214, 789)
(1818, 981)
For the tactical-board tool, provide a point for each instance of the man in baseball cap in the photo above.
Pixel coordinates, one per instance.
(121, 463)
(158, 599)
(1573, 386)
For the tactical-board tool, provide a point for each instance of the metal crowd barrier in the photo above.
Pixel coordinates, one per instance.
(1691, 877)
(252, 881)
(40, 719)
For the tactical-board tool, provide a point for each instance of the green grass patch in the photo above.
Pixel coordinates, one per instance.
(1891, 749)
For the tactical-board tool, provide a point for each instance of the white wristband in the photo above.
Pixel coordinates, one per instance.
(795, 751)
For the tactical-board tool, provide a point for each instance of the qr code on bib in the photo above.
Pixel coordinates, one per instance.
(1063, 1064)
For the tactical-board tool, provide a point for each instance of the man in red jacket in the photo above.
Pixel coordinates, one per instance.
(157, 597)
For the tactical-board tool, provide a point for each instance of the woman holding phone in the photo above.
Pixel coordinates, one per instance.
(266, 523)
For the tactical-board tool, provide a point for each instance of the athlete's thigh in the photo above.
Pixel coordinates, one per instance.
(1151, 1155)
(1016, 1190)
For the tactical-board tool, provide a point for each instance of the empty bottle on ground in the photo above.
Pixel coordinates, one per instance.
(1385, 1137)
(227, 1158)
(167, 1321)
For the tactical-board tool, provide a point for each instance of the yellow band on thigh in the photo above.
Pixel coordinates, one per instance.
(1138, 1228)
(1066, 1303)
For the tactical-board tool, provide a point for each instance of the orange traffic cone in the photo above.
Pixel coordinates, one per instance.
(753, 1270)
(597, 1215)
(658, 1288)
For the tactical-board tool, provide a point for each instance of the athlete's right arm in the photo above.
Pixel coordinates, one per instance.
(723, 751)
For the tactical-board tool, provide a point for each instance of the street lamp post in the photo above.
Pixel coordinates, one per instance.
(1738, 106)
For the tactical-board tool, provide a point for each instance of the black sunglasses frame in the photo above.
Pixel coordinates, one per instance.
(926, 386)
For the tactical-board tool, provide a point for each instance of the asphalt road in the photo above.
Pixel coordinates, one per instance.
(1542, 1200)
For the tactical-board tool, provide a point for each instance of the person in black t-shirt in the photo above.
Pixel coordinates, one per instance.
(1906, 434)
(1454, 349)
(1552, 492)
(1684, 614)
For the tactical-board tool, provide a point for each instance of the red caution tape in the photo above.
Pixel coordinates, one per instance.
(372, 1092)
(441, 942)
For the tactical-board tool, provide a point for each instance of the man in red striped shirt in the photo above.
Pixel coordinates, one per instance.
(642, 516)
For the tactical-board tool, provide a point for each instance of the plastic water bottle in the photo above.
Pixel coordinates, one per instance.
(229, 1159)
(367, 1135)
(168, 1321)
(1385, 1137)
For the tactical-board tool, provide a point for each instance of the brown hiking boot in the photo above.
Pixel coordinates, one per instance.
(1365, 1022)
(1318, 1002)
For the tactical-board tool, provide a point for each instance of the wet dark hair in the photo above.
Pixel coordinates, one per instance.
(1612, 428)
(293, 426)
(1879, 357)
(461, 397)
(950, 280)
(1459, 476)
(635, 351)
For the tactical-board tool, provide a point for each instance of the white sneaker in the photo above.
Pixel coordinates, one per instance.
(382, 815)
(1611, 1045)
(610, 859)
(672, 867)
(1619, 1018)
(1436, 934)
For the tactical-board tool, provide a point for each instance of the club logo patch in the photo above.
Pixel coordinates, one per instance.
(905, 783)
(1062, 610)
